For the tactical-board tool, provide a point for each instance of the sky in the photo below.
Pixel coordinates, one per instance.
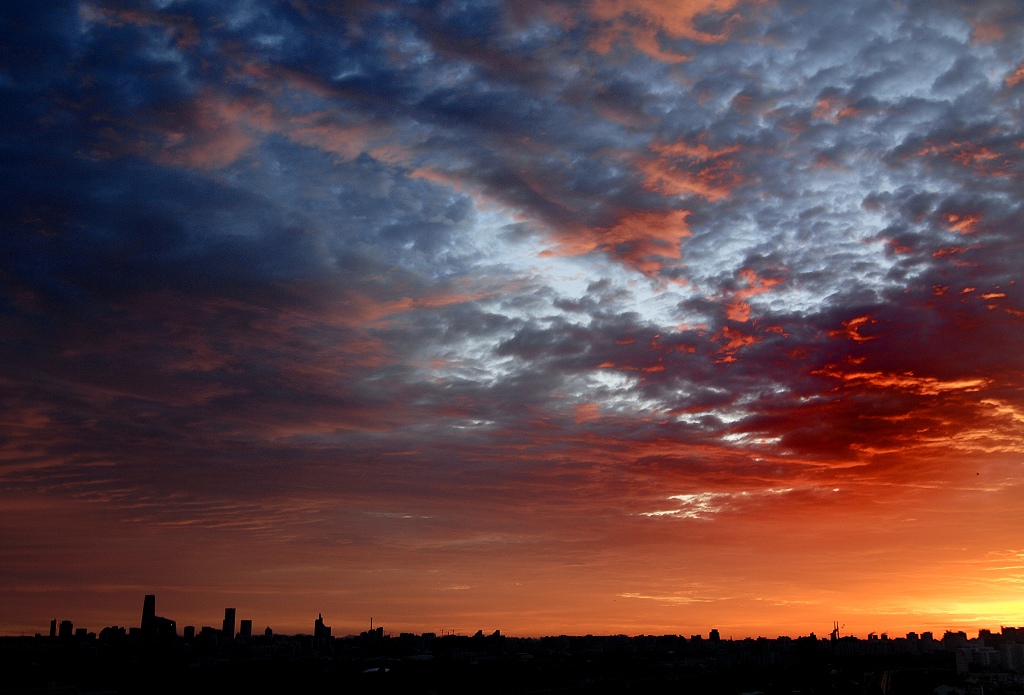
(549, 317)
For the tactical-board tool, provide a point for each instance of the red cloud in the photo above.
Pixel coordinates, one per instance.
(690, 169)
(929, 386)
(979, 158)
(738, 309)
(643, 239)
(851, 330)
(734, 340)
(1016, 77)
(833, 110)
(645, 21)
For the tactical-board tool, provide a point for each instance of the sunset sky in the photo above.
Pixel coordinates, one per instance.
(615, 316)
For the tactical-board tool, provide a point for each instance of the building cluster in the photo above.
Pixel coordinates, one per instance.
(989, 654)
(157, 629)
(1000, 651)
(154, 628)
(992, 660)
(1003, 650)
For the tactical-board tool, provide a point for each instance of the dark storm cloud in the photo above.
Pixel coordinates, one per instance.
(147, 302)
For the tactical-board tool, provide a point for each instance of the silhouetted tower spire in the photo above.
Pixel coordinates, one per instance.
(321, 631)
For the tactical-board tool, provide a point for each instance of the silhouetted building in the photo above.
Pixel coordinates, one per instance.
(951, 640)
(67, 629)
(189, 632)
(154, 627)
(321, 631)
(245, 629)
(713, 636)
(1012, 632)
(228, 629)
(53, 628)
(376, 633)
(113, 634)
(149, 614)
(268, 632)
(976, 655)
(1013, 656)
(614, 663)
(166, 628)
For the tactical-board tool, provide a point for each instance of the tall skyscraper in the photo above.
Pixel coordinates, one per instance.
(153, 626)
(149, 613)
(321, 631)
(229, 623)
(245, 628)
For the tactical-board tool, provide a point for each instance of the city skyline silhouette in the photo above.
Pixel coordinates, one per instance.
(560, 317)
(122, 659)
(154, 628)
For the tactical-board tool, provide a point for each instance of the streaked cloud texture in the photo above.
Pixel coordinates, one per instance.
(542, 316)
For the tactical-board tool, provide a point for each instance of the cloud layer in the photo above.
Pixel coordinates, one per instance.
(440, 312)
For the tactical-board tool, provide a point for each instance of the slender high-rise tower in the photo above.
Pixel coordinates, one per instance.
(149, 613)
(229, 623)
